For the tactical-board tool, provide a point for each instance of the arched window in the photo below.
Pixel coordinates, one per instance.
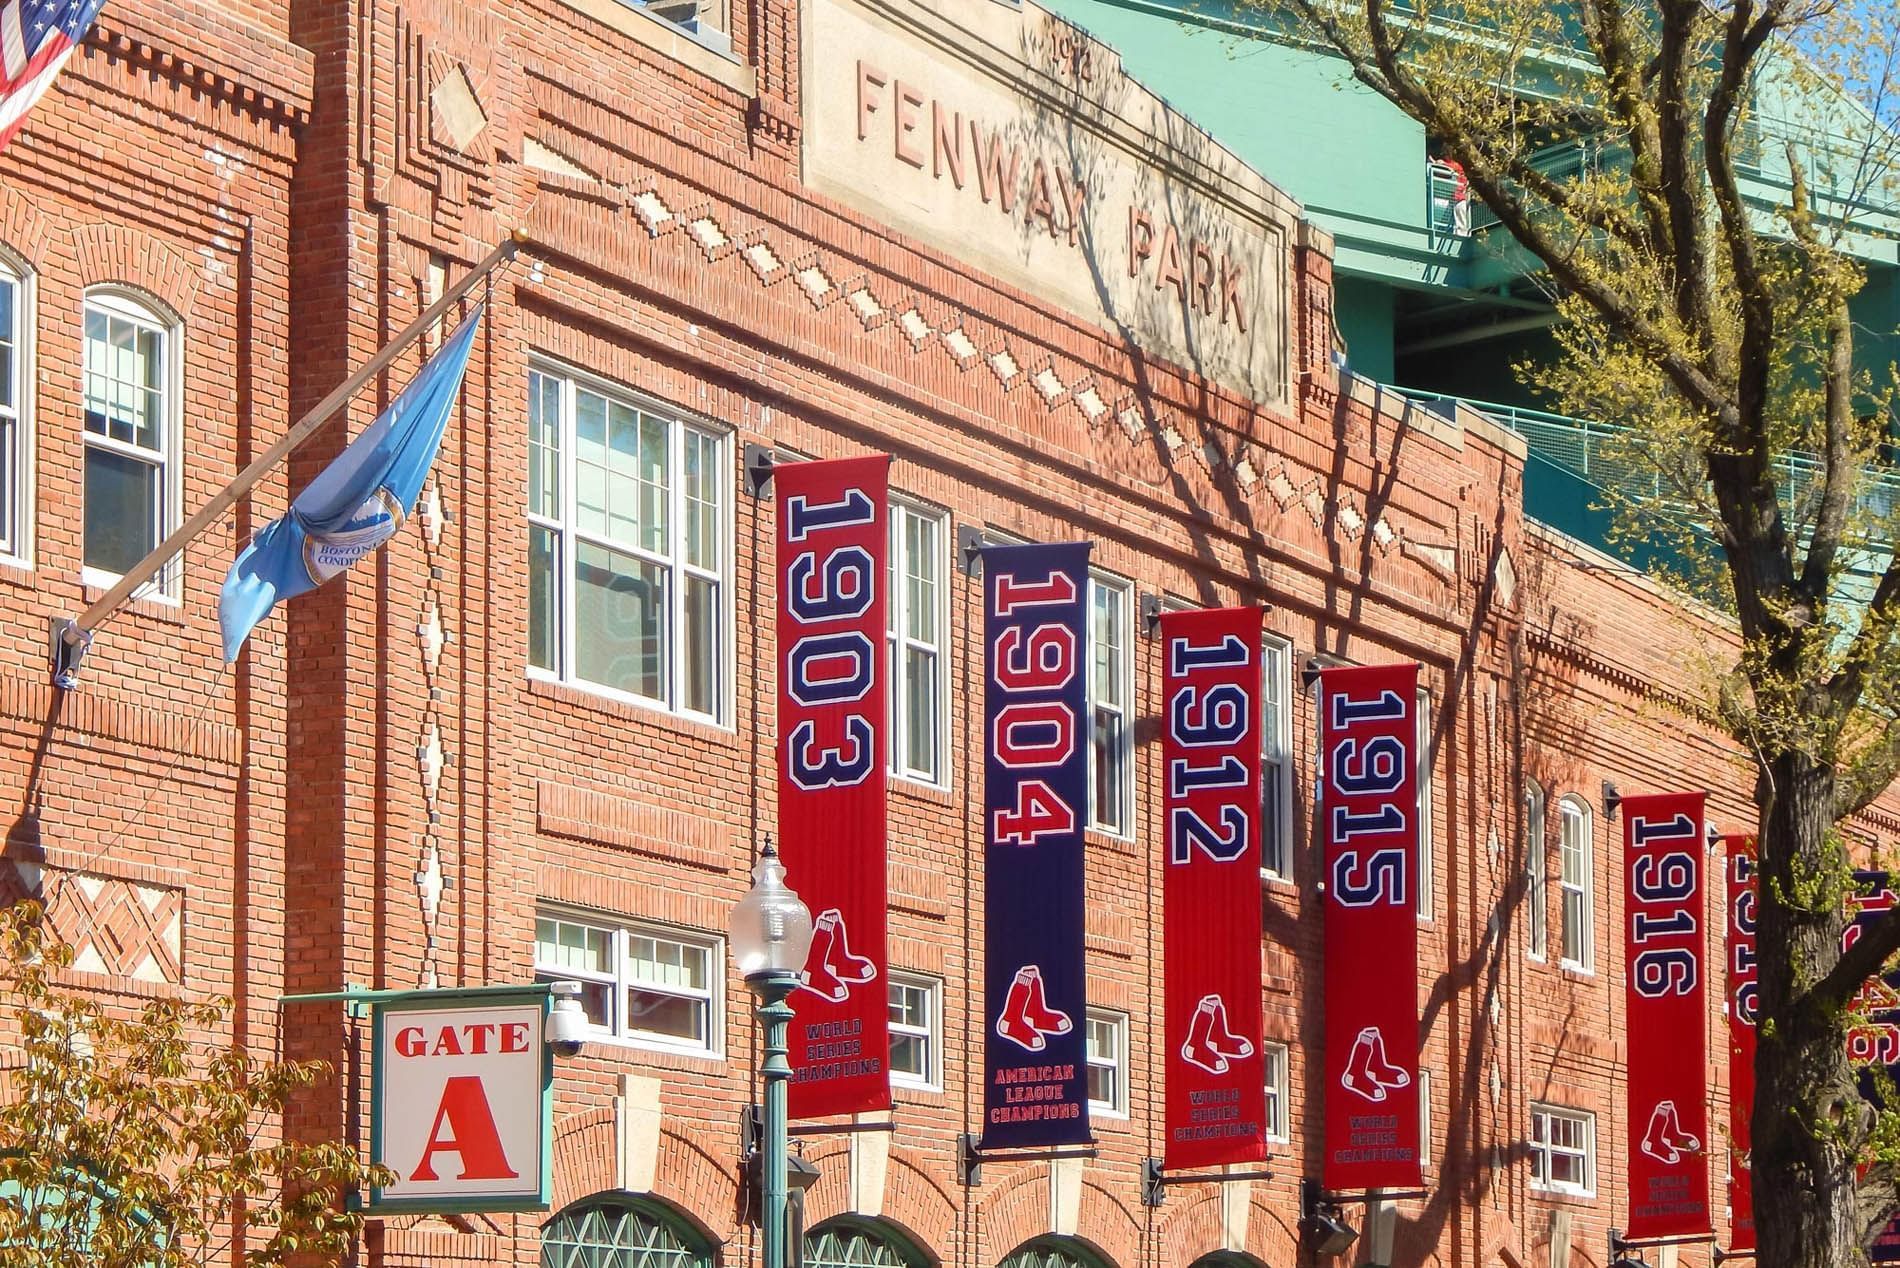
(1576, 843)
(16, 392)
(1055, 1252)
(857, 1243)
(131, 388)
(1225, 1259)
(1536, 873)
(622, 1232)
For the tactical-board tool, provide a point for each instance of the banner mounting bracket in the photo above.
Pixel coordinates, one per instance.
(971, 1156)
(1155, 1179)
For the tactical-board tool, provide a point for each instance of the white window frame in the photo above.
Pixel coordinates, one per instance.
(1541, 1149)
(1277, 1060)
(566, 531)
(16, 420)
(931, 1032)
(622, 931)
(1577, 844)
(897, 641)
(1124, 591)
(1536, 872)
(1427, 744)
(1276, 675)
(1425, 1120)
(125, 304)
(1118, 1025)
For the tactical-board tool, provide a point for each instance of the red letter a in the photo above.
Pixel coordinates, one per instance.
(472, 1134)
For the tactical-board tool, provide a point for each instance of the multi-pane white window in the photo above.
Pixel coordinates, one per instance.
(1278, 1088)
(129, 384)
(1427, 763)
(647, 985)
(1575, 850)
(917, 621)
(14, 388)
(1107, 1046)
(1276, 757)
(628, 555)
(1536, 871)
(916, 1031)
(1563, 1150)
(1111, 689)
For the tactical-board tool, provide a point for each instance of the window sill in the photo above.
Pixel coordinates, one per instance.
(915, 1089)
(917, 790)
(1108, 841)
(1566, 1196)
(672, 1058)
(674, 41)
(600, 702)
(1577, 973)
(16, 570)
(159, 607)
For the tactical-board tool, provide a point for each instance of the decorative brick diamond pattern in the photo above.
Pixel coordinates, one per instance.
(116, 927)
(652, 211)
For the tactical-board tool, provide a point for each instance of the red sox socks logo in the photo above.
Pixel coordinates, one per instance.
(1027, 1020)
(832, 969)
(1210, 1045)
(1368, 1073)
(1665, 1141)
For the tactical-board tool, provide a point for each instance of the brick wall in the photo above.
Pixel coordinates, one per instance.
(285, 180)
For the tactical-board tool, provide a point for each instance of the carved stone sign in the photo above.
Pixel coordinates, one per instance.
(1011, 140)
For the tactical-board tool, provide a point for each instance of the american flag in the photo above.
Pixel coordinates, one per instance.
(36, 38)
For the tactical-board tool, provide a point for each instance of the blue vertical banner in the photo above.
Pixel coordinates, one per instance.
(1035, 804)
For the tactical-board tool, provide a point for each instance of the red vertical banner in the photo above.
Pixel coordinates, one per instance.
(1210, 751)
(1739, 851)
(1665, 945)
(1369, 815)
(833, 734)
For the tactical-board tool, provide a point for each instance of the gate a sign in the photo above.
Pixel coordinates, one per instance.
(462, 1103)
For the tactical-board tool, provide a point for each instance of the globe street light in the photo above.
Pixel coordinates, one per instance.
(771, 935)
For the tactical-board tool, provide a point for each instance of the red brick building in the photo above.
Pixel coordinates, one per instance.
(535, 733)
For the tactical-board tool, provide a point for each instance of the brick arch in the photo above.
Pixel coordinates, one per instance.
(24, 229)
(705, 1189)
(830, 1194)
(1020, 1212)
(1270, 1238)
(1191, 1228)
(107, 254)
(919, 1204)
(1114, 1228)
(584, 1160)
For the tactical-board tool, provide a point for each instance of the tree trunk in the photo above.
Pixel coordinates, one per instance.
(1804, 1180)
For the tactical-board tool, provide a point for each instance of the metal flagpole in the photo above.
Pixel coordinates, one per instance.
(71, 636)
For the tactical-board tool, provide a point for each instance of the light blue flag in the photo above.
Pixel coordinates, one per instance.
(355, 504)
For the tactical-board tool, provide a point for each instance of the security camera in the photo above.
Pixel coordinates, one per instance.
(567, 1024)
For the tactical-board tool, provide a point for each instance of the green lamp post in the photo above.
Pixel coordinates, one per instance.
(771, 935)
